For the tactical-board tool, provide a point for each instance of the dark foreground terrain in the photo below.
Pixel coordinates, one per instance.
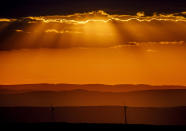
(95, 114)
(142, 107)
(61, 126)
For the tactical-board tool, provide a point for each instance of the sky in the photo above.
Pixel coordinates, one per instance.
(19, 8)
(95, 42)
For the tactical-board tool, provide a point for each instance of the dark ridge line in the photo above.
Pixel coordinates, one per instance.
(23, 92)
(141, 107)
(35, 84)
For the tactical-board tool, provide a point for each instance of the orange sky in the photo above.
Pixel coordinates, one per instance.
(95, 65)
(95, 47)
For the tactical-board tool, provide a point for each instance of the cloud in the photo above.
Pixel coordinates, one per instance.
(19, 30)
(53, 31)
(62, 31)
(150, 44)
(101, 16)
(151, 51)
(93, 29)
(140, 14)
(7, 20)
(184, 13)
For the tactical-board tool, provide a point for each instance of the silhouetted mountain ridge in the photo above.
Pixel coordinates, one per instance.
(81, 97)
(88, 87)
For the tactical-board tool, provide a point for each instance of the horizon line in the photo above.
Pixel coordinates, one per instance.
(90, 84)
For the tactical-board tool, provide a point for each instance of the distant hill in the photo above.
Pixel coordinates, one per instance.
(88, 95)
(88, 87)
(94, 103)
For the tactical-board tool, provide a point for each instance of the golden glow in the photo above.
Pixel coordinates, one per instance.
(95, 47)
(101, 16)
(7, 20)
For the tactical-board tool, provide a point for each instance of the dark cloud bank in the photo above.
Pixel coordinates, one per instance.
(20, 8)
